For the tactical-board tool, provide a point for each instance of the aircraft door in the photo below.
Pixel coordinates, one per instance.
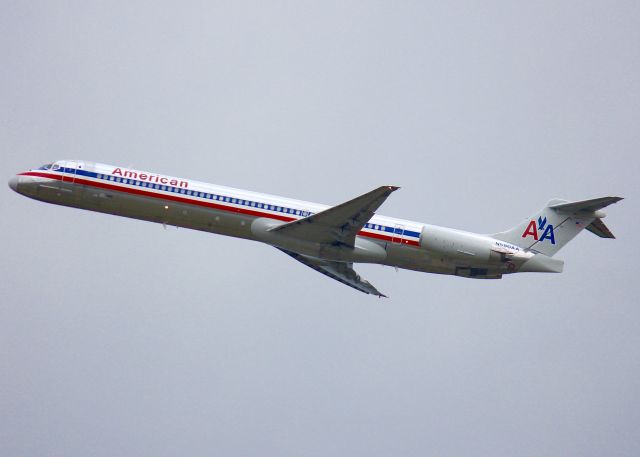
(398, 231)
(70, 168)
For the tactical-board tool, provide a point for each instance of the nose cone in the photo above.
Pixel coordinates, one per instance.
(13, 183)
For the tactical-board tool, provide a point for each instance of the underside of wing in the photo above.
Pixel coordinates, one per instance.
(339, 224)
(339, 271)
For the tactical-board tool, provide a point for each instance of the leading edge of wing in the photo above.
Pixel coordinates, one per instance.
(339, 224)
(342, 272)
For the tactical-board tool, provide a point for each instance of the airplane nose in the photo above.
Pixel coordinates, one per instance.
(13, 183)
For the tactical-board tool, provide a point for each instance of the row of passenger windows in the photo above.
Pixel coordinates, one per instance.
(236, 201)
(208, 196)
(375, 227)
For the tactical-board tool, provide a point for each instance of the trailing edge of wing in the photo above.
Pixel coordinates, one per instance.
(339, 224)
(339, 271)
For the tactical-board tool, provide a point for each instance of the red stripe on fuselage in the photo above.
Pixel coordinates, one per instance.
(206, 204)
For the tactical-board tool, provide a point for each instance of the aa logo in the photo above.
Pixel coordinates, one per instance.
(534, 230)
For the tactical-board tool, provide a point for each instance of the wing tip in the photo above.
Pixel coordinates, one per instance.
(614, 199)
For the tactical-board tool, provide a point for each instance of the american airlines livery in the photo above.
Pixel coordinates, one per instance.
(328, 239)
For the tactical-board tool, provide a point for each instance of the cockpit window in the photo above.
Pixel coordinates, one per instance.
(46, 167)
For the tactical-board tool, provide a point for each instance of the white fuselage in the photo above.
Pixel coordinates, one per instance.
(245, 214)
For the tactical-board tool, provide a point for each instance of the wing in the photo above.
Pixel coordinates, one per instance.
(339, 271)
(338, 224)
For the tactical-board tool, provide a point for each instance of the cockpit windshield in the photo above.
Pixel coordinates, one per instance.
(49, 166)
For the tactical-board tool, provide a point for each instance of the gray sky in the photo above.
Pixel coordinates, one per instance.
(120, 338)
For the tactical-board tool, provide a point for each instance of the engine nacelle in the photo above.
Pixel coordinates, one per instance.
(457, 244)
(470, 249)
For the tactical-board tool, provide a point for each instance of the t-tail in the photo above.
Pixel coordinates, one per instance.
(558, 223)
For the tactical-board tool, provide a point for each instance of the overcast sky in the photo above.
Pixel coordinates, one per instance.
(119, 338)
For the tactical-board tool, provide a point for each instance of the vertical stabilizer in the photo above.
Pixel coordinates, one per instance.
(558, 223)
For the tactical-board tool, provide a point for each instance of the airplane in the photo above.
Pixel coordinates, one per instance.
(329, 239)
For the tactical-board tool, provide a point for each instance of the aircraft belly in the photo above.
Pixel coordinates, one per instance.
(146, 208)
(421, 259)
(415, 258)
(185, 215)
(403, 256)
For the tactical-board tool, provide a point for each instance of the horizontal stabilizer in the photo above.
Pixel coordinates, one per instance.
(586, 206)
(598, 227)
